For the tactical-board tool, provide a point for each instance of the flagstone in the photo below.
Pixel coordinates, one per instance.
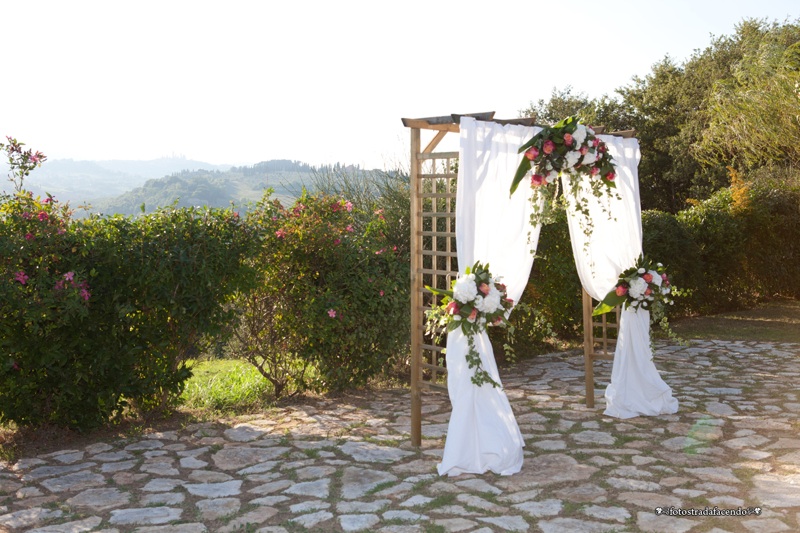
(213, 509)
(28, 517)
(238, 457)
(144, 445)
(77, 526)
(404, 515)
(649, 522)
(214, 490)
(619, 514)
(74, 481)
(145, 516)
(358, 522)
(540, 509)
(317, 489)
(372, 453)
(507, 523)
(574, 525)
(209, 476)
(312, 520)
(162, 498)
(172, 528)
(774, 490)
(356, 482)
(100, 499)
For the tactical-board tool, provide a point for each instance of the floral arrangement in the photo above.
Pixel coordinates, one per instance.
(475, 301)
(568, 147)
(643, 286)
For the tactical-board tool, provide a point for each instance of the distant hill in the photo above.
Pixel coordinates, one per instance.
(237, 185)
(78, 181)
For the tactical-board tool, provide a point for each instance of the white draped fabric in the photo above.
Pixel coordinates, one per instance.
(491, 228)
(636, 388)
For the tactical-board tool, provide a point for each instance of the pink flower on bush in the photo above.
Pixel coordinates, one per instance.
(348, 206)
(532, 153)
(621, 290)
(350, 228)
(21, 276)
(381, 292)
(29, 236)
(548, 146)
(42, 216)
(568, 139)
(380, 251)
(85, 294)
(281, 233)
(337, 241)
(69, 276)
(59, 285)
(26, 215)
(331, 313)
(47, 200)
(537, 180)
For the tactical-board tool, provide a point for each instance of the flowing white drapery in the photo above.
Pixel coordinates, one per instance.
(491, 228)
(613, 246)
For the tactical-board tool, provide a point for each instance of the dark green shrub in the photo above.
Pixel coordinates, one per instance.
(769, 206)
(720, 238)
(666, 240)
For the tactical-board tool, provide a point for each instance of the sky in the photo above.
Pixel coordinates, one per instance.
(243, 81)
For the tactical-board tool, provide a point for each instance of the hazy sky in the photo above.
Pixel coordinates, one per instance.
(319, 81)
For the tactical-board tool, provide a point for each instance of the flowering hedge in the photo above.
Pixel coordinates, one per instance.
(327, 307)
(100, 314)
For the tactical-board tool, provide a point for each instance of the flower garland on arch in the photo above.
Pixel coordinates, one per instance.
(571, 148)
(475, 301)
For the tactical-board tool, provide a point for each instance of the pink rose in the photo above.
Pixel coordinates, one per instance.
(548, 146)
(664, 277)
(595, 142)
(500, 287)
(532, 153)
(621, 290)
(648, 277)
(584, 150)
(42, 216)
(648, 292)
(568, 139)
(498, 321)
(610, 176)
(537, 180)
(452, 308)
(483, 288)
(473, 315)
(594, 171)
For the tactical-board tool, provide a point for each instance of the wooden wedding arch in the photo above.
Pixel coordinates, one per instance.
(433, 259)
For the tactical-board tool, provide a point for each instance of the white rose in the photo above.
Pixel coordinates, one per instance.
(465, 289)
(656, 277)
(489, 303)
(640, 271)
(580, 134)
(637, 288)
(589, 158)
(572, 158)
(551, 176)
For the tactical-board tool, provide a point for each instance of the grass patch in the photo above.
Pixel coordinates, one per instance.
(775, 321)
(225, 386)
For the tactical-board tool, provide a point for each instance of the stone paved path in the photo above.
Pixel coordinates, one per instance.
(347, 465)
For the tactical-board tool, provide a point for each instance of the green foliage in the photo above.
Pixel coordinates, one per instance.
(328, 292)
(667, 240)
(551, 304)
(225, 386)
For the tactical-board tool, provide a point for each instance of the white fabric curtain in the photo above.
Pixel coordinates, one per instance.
(491, 228)
(615, 243)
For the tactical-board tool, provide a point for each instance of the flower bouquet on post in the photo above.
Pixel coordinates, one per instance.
(643, 286)
(568, 147)
(476, 300)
